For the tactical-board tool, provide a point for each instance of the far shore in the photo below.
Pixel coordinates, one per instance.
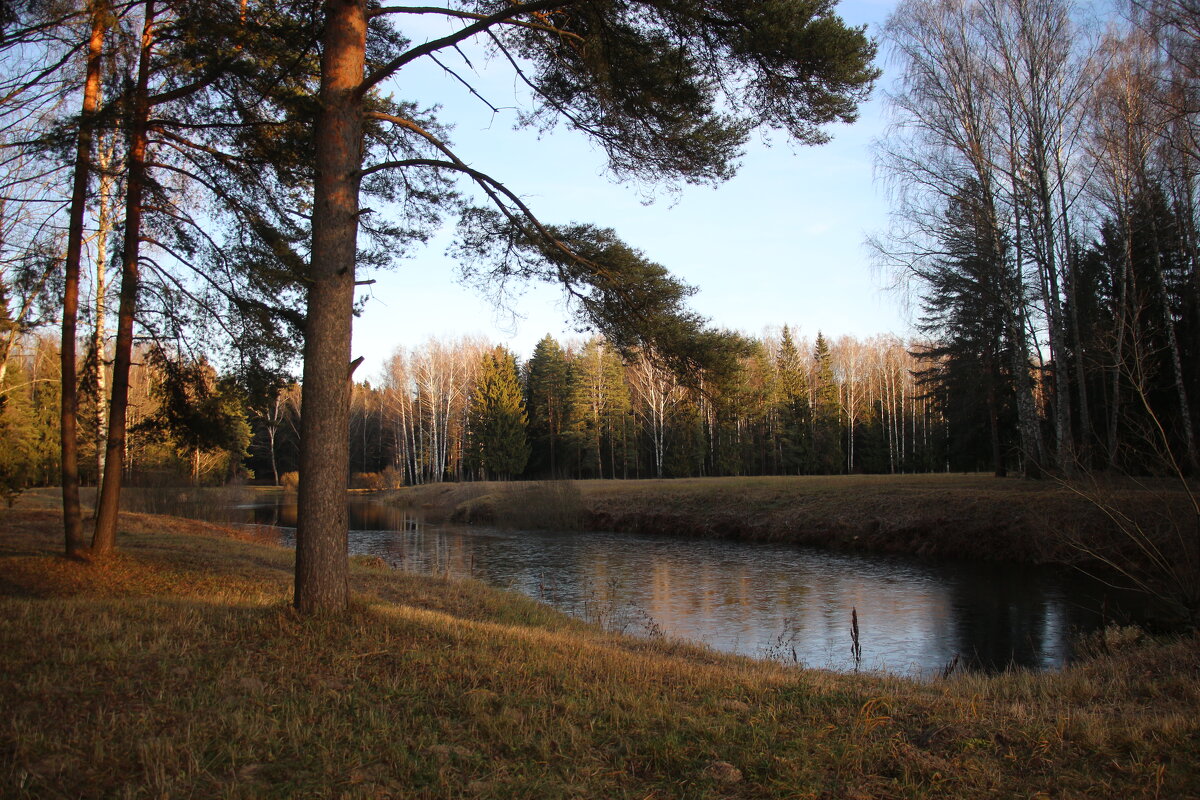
(970, 516)
(1093, 525)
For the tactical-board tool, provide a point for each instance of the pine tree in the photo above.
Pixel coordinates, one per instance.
(497, 445)
(198, 410)
(670, 90)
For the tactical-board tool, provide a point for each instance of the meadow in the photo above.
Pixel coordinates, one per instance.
(178, 668)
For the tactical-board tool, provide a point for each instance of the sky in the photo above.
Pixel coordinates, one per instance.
(783, 242)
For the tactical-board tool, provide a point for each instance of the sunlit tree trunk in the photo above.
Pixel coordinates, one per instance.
(322, 523)
(104, 224)
(69, 444)
(105, 537)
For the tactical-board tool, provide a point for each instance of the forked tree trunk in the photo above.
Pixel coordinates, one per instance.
(322, 524)
(105, 537)
(69, 441)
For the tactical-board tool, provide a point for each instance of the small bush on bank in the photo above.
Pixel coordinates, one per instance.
(389, 478)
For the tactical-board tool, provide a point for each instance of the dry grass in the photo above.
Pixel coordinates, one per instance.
(178, 669)
(960, 516)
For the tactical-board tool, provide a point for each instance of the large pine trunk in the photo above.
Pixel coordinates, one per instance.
(104, 539)
(322, 524)
(69, 440)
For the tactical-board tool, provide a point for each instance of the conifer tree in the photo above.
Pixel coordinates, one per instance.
(828, 455)
(794, 406)
(547, 386)
(197, 410)
(963, 310)
(600, 405)
(497, 444)
(670, 89)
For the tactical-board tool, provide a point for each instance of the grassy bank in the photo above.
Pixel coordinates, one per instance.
(960, 516)
(177, 669)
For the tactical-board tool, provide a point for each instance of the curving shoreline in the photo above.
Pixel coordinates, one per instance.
(936, 516)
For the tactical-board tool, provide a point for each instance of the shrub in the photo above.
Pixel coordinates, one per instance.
(372, 481)
(392, 477)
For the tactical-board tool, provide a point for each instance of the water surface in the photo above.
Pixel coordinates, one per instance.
(761, 599)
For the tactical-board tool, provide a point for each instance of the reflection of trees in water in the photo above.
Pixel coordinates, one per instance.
(1004, 619)
(744, 597)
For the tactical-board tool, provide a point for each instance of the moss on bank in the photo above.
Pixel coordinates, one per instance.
(177, 668)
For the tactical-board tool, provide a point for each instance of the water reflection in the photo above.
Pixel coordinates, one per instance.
(759, 599)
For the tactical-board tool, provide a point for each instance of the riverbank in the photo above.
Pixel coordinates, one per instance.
(947, 516)
(177, 668)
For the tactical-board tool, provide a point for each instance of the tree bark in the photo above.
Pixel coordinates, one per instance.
(1168, 322)
(69, 440)
(322, 524)
(105, 537)
(1120, 313)
(103, 230)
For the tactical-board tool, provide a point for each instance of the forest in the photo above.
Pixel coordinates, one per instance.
(467, 409)
(181, 238)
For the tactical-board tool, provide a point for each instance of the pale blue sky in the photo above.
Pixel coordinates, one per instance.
(781, 243)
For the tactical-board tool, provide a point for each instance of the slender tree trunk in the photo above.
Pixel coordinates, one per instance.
(322, 523)
(1048, 264)
(1168, 320)
(1119, 315)
(105, 537)
(99, 335)
(1014, 313)
(993, 407)
(271, 433)
(1085, 414)
(1193, 249)
(1027, 416)
(69, 440)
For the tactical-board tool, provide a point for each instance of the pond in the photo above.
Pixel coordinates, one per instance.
(760, 599)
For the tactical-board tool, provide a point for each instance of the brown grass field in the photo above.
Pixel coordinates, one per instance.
(177, 669)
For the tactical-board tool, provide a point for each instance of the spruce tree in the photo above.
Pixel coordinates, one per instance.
(794, 406)
(497, 445)
(963, 311)
(827, 456)
(547, 401)
(198, 411)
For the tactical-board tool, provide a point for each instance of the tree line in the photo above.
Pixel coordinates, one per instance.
(470, 410)
(1044, 166)
(467, 410)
